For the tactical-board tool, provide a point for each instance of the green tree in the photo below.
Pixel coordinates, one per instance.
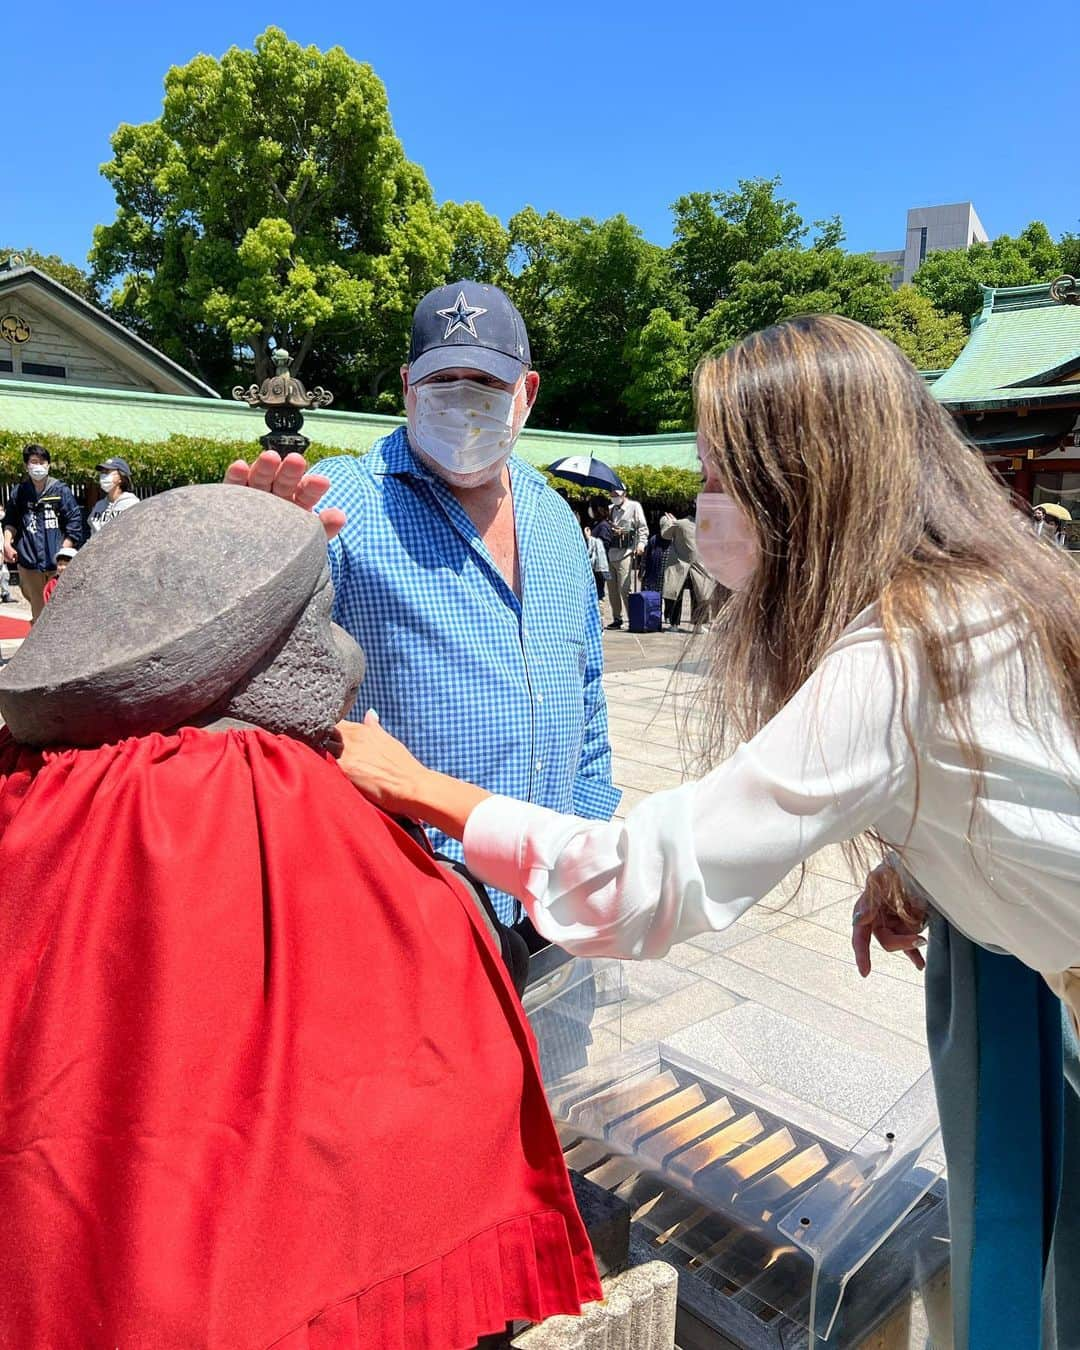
(74, 278)
(1069, 254)
(790, 281)
(480, 244)
(715, 231)
(585, 289)
(953, 279)
(658, 366)
(272, 204)
(929, 339)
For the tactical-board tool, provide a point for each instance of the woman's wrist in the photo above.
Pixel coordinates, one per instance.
(445, 802)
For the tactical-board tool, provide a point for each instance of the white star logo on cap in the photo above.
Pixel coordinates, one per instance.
(461, 316)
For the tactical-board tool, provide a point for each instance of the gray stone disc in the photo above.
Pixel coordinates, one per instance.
(161, 615)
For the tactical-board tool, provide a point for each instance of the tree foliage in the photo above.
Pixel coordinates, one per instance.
(953, 279)
(271, 204)
(67, 274)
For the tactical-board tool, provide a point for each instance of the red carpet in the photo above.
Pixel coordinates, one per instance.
(13, 628)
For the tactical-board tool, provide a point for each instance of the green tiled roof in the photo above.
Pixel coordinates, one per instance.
(1020, 344)
(44, 409)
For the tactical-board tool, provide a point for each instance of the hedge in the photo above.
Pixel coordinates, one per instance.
(157, 466)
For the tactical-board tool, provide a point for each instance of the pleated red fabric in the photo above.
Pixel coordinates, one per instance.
(264, 1079)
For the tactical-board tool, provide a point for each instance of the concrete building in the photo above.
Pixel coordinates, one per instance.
(933, 229)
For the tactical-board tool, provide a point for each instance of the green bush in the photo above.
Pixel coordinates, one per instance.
(157, 466)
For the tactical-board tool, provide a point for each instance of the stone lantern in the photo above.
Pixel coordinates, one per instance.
(284, 400)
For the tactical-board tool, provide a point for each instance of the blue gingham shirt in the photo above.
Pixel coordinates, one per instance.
(502, 692)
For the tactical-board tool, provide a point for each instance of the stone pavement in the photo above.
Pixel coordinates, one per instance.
(775, 1000)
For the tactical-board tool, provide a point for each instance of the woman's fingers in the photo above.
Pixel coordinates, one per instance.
(861, 929)
(872, 919)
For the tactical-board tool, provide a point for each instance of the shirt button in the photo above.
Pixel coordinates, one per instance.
(539, 766)
(539, 698)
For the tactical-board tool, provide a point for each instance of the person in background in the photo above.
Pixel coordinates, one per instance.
(913, 683)
(654, 560)
(114, 480)
(629, 535)
(597, 560)
(42, 516)
(600, 522)
(684, 571)
(1049, 520)
(6, 597)
(63, 557)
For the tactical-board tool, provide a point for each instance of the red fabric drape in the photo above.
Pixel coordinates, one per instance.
(264, 1080)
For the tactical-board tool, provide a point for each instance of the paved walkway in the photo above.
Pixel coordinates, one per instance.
(776, 999)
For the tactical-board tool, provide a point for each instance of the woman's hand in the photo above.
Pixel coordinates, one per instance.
(873, 916)
(394, 780)
(290, 479)
(384, 771)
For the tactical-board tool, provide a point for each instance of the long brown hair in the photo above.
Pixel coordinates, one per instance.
(863, 491)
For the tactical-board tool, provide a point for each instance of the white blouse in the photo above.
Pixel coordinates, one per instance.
(1004, 866)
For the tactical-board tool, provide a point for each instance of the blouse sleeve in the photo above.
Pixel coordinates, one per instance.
(696, 857)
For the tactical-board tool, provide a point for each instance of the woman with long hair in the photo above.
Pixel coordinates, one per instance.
(897, 669)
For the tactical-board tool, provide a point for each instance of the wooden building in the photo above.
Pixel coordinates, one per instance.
(1015, 388)
(50, 335)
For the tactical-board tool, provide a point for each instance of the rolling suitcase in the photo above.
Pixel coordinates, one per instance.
(644, 611)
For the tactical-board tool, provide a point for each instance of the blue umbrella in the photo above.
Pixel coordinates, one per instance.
(587, 471)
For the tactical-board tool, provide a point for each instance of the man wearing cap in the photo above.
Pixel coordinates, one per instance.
(1049, 520)
(629, 534)
(464, 577)
(42, 516)
(114, 480)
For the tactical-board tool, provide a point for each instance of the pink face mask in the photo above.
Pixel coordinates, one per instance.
(725, 542)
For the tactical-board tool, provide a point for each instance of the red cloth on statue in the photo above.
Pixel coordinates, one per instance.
(264, 1079)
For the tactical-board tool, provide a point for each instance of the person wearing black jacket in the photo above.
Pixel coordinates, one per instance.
(42, 516)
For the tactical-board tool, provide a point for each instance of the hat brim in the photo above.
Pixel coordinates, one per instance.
(466, 357)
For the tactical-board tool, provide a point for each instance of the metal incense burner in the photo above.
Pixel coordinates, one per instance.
(284, 400)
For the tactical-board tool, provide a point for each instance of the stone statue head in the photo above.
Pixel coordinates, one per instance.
(203, 603)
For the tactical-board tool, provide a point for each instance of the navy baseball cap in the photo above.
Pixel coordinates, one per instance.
(467, 324)
(120, 465)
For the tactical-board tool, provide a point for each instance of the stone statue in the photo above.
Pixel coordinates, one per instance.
(213, 603)
(247, 1096)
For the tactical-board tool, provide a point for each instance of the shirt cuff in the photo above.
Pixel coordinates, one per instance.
(493, 838)
(595, 799)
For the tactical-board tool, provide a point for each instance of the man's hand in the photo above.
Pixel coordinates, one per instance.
(874, 917)
(290, 479)
(10, 556)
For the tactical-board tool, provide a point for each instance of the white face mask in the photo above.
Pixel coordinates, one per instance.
(725, 541)
(38, 471)
(465, 430)
(106, 482)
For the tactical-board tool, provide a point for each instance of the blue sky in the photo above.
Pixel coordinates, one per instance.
(595, 108)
